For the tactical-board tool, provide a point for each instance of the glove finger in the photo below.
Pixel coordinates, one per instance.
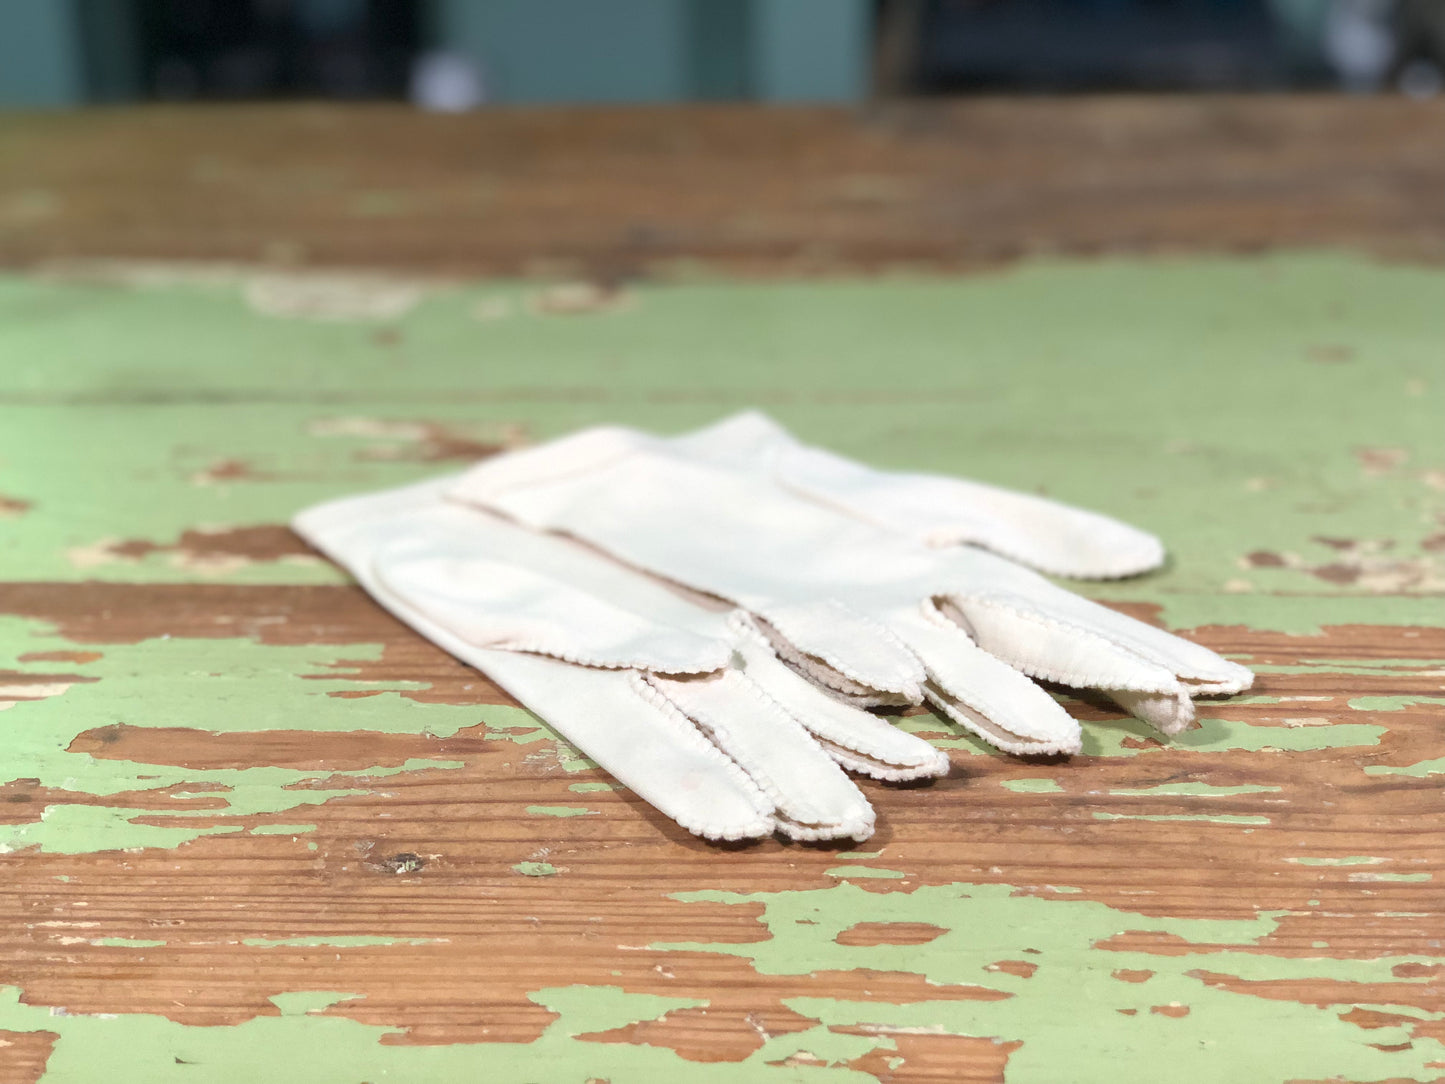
(1050, 651)
(856, 739)
(1169, 714)
(1018, 606)
(1043, 534)
(982, 693)
(861, 651)
(640, 738)
(1053, 651)
(941, 511)
(611, 714)
(811, 796)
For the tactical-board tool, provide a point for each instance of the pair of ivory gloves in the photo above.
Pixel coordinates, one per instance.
(709, 617)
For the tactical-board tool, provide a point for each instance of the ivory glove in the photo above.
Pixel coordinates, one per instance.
(879, 614)
(682, 702)
(1045, 535)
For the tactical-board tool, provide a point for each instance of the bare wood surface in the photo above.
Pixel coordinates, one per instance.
(609, 193)
(252, 826)
(486, 935)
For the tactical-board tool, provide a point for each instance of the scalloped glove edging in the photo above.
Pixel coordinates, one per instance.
(877, 586)
(683, 702)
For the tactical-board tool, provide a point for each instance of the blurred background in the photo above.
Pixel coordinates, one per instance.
(454, 55)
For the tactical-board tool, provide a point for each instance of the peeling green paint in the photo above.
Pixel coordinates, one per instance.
(1108, 738)
(524, 728)
(310, 1002)
(1212, 818)
(265, 383)
(1406, 877)
(817, 1047)
(1349, 666)
(313, 409)
(1217, 735)
(126, 942)
(78, 829)
(310, 1035)
(1420, 769)
(1067, 1012)
(358, 941)
(195, 684)
(1392, 703)
(1214, 735)
(560, 810)
(1351, 860)
(282, 829)
(1033, 786)
(1191, 790)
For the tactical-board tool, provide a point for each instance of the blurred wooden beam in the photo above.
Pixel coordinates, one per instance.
(634, 191)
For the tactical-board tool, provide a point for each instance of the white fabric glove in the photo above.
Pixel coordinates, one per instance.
(1045, 535)
(682, 702)
(876, 613)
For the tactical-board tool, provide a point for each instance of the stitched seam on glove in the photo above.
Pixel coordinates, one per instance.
(1120, 640)
(903, 682)
(930, 613)
(688, 731)
(1077, 678)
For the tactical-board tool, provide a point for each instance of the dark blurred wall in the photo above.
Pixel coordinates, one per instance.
(460, 54)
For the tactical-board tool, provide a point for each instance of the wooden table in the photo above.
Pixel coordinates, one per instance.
(254, 829)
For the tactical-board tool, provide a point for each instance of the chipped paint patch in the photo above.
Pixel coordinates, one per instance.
(560, 811)
(864, 872)
(1108, 994)
(359, 941)
(1212, 818)
(78, 829)
(211, 552)
(156, 683)
(580, 299)
(332, 297)
(831, 332)
(1032, 786)
(557, 753)
(126, 942)
(1405, 877)
(1132, 738)
(1123, 737)
(233, 402)
(1363, 563)
(282, 829)
(1349, 860)
(1392, 703)
(400, 440)
(1419, 769)
(1190, 790)
(269, 1047)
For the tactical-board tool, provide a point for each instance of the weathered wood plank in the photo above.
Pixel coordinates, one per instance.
(254, 827)
(1266, 856)
(616, 193)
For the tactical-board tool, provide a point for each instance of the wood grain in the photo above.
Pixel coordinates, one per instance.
(1264, 891)
(616, 193)
(469, 937)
